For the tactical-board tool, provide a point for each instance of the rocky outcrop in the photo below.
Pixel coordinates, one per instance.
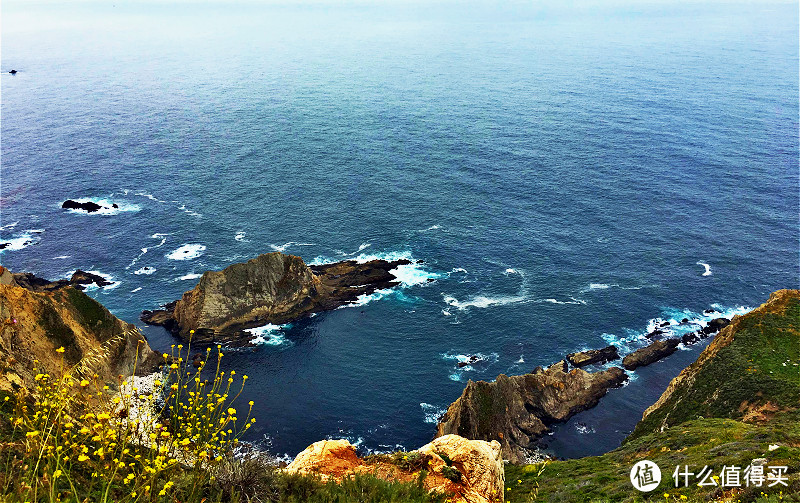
(470, 471)
(271, 288)
(37, 321)
(651, 354)
(749, 371)
(79, 280)
(593, 356)
(517, 410)
(88, 206)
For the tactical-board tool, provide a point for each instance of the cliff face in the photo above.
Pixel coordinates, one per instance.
(271, 288)
(749, 371)
(36, 323)
(517, 410)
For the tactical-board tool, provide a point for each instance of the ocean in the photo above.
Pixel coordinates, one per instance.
(567, 175)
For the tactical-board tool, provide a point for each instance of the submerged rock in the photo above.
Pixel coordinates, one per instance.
(271, 288)
(478, 463)
(583, 358)
(651, 353)
(517, 410)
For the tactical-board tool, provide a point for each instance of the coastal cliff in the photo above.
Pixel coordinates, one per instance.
(517, 410)
(749, 371)
(38, 317)
(738, 404)
(273, 288)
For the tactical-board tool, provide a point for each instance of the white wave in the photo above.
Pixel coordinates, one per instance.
(189, 276)
(282, 248)
(144, 250)
(146, 270)
(521, 359)
(431, 228)
(240, 236)
(455, 376)
(483, 302)
(510, 270)
(22, 240)
(707, 268)
(366, 298)
(432, 413)
(9, 226)
(136, 290)
(584, 429)
(186, 252)
(180, 206)
(446, 312)
(572, 300)
(458, 269)
(93, 286)
(269, 335)
(61, 257)
(107, 206)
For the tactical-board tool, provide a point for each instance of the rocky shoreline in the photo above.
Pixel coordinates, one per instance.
(272, 288)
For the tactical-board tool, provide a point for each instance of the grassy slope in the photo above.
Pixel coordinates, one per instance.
(705, 422)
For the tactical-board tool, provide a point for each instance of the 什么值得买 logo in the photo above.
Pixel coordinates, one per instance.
(645, 475)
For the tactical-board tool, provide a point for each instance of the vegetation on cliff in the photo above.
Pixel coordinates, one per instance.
(739, 401)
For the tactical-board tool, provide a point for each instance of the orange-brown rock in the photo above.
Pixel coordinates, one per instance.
(478, 463)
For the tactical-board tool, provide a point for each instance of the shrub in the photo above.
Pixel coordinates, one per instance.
(451, 474)
(76, 439)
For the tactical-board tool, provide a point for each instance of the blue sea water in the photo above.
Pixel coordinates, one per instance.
(567, 175)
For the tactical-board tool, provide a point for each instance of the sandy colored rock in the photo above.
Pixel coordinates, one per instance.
(480, 464)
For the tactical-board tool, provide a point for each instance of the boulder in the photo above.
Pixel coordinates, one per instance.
(715, 326)
(651, 353)
(87, 278)
(13, 72)
(517, 410)
(583, 358)
(690, 338)
(479, 464)
(271, 288)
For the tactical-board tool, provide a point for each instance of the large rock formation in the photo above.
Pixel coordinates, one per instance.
(36, 321)
(271, 288)
(470, 471)
(517, 410)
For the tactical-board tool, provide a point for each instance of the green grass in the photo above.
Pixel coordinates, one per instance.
(712, 442)
(704, 425)
(756, 368)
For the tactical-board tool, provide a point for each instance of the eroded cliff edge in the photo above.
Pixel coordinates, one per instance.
(40, 316)
(273, 288)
